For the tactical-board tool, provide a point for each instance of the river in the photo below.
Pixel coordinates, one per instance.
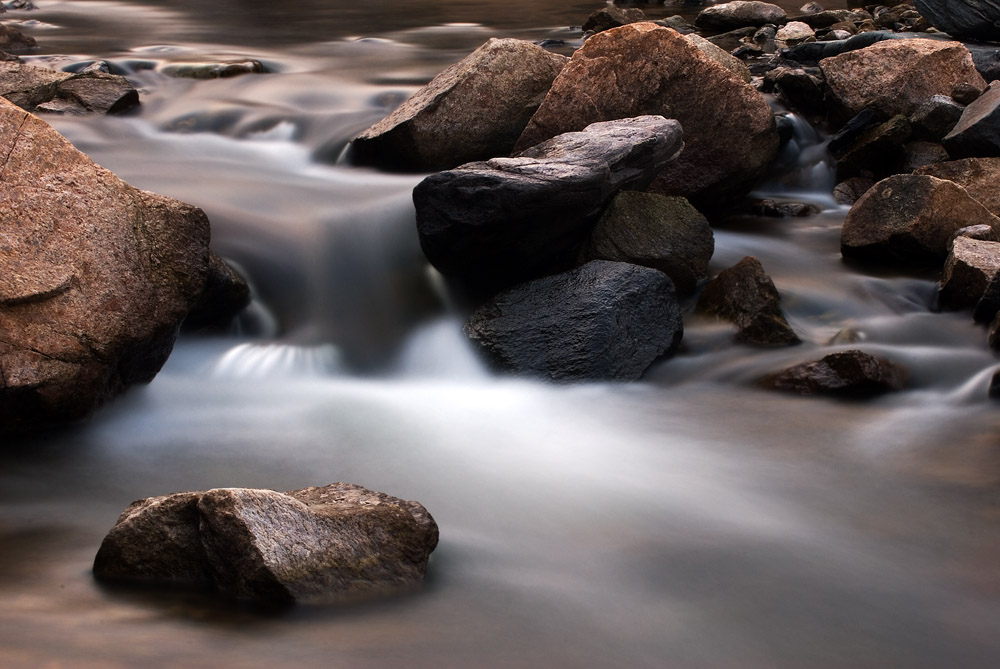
(687, 520)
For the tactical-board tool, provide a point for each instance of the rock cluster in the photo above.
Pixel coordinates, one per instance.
(39, 89)
(331, 544)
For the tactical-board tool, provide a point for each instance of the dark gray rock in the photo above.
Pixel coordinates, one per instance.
(988, 305)
(908, 219)
(918, 155)
(935, 118)
(734, 39)
(508, 219)
(473, 110)
(745, 295)
(803, 91)
(994, 390)
(678, 23)
(226, 294)
(602, 321)
(850, 190)
(850, 374)
(969, 269)
(212, 70)
(739, 14)
(812, 53)
(977, 133)
(332, 544)
(830, 17)
(976, 19)
(665, 233)
(878, 151)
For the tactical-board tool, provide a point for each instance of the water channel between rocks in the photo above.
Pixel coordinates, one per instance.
(688, 520)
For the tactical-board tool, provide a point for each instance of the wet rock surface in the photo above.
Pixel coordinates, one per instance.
(321, 545)
(971, 266)
(43, 90)
(602, 321)
(977, 132)
(730, 15)
(850, 374)
(506, 219)
(977, 19)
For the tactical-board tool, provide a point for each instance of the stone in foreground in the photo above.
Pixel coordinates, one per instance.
(745, 295)
(509, 219)
(909, 219)
(730, 135)
(473, 110)
(331, 544)
(97, 277)
(602, 321)
(849, 374)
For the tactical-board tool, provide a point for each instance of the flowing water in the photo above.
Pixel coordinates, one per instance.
(688, 520)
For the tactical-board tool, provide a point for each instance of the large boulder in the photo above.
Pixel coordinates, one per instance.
(968, 271)
(909, 219)
(978, 176)
(43, 90)
(473, 110)
(507, 219)
(977, 19)
(897, 76)
(642, 68)
(322, 545)
(720, 56)
(97, 276)
(602, 321)
(665, 233)
(977, 132)
(745, 295)
(738, 14)
(850, 374)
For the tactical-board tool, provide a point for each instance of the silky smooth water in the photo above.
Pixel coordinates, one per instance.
(688, 520)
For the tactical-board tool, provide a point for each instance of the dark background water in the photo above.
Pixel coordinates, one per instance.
(690, 520)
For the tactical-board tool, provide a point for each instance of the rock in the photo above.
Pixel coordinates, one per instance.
(830, 17)
(977, 132)
(774, 209)
(987, 60)
(724, 58)
(26, 5)
(988, 306)
(850, 190)
(994, 389)
(678, 23)
(473, 110)
(745, 295)
(897, 76)
(801, 90)
(966, 94)
(212, 70)
(665, 233)
(323, 545)
(14, 41)
(97, 277)
(970, 267)
(612, 16)
(877, 151)
(977, 19)
(908, 219)
(936, 117)
(38, 88)
(983, 233)
(849, 373)
(811, 8)
(921, 154)
(729, 130)
(734, 39)
(978, 176)
(507, 219)
(226, 294)
(811, 53)
(730, 15)
(794, 32)
(853, 130)
(602, 321)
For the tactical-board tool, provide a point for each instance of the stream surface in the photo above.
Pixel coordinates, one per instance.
(688, 520)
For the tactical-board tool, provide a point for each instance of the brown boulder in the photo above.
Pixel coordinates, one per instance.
(97, 277)
(13, 40)
(897, 76)
(473, 110)
(909, 219)
(844, 374)
(642, 68)
(612, 16)
(44, 90)
(978, 176)
(977, 132)
(970, 267)
(745, 295)
(739, 13)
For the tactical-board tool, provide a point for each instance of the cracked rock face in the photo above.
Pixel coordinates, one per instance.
(317, 545)
(97, 276)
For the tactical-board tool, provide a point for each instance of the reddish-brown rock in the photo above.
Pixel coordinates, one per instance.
(971, 265)
(473, 110)
(97, 276)
(642, 68)
(851, 374)
(978, 176)
(44, 90)
(897, 76)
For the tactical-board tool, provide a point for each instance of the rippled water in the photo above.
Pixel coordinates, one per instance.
(690, 520)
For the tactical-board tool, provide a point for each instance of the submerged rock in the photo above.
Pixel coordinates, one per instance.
(212, 70)
(665, 233)
(897, 76)
(745, 295)
(850, 373)
(602, 321)
(729, 130)
(977, 19)
(507, 219)
(331, 544)
(473, 110)
(909, 219)
(97, 277)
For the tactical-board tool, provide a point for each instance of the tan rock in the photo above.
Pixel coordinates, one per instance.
(978, 176)
(897, 76)
(642, 68)
(97, 276)
(473, 110)
(720, 56)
